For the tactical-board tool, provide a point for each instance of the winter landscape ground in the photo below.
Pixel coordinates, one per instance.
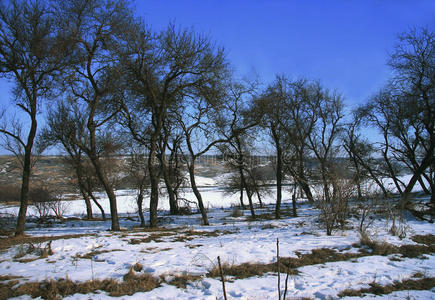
(78, 259)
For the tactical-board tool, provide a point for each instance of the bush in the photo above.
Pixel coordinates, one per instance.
(46, 201)
(10, 193)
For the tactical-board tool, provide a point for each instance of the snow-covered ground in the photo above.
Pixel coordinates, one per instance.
(186, 247)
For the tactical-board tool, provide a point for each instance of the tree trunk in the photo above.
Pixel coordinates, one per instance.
(241, 195)
(85, 196)
(24, 197)
(248, 191)
(258, 196)
(391, 171)
(173, 205)
(302, 180)
(278, 174)
(154, 180)
(294, 202)
(424, 164)
(139, 207)
(27, 168)
(109, 191)
(306, 188)
(197, 193)
(94, 199)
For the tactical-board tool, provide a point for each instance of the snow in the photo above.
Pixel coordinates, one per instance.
(235, 240)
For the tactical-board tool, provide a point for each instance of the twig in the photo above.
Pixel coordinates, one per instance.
(222, 277)
(279, 278)
(286, 283)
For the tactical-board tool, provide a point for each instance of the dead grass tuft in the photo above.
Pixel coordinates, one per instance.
(317, 256)
(287, 264)
(181, 281)
(237, 212)
(153, 237)
(53, 289)
(137, 267)
(384, 248)
(426, 283)
(428, 239)
(244, 270)
(6, 243)
(92, 254)
(269, 226)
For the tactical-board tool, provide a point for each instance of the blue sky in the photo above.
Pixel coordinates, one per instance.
(345, 44)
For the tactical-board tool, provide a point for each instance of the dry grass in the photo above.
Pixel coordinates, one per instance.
(38, 250)
(92, 254)
(428, 239)
(53, 289)
(287, 264)
(154, 250)
(237, 212)
(410, 251)
(241, 271)
(178, 234)
(6, 243)
(137, 267)
(317, 256)
(269, 226)
(426, 283)
(181, 281)
(153, 237)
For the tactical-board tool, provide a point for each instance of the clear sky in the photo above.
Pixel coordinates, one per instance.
(343, 43)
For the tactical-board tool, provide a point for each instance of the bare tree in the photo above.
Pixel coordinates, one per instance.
(298, 126)
(162, 70)
(92, 82)
(404, 112)
(413, 63)
(270, 108)
(327, 113)
(235, 127)
(32, 51)
(199, 136)
(65, 126)
(58, 130)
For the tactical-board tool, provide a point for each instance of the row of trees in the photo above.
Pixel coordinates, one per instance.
(169, 97)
